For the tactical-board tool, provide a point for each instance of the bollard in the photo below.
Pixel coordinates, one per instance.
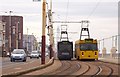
(113, 52)
(103, 52)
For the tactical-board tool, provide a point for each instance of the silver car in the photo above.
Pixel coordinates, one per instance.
(34, 54)
(18, 54)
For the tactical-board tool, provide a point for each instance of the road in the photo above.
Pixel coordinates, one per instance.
(75, 68)
(10, 67)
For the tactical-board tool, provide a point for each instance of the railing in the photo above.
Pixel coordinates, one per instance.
(114, 56)
(108, 47)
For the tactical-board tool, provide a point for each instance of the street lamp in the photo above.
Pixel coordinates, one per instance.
(17, 24)
(10, 31)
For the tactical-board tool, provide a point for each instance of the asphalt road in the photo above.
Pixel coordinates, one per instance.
(9, 67)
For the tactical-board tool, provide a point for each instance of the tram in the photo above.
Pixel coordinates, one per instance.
(86, 49)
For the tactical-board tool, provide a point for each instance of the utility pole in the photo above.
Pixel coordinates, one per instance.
(99, 44)
(27, 40)
(51, 31)
(112, 41)
(116, 38)
(103, 42)
(43, 31)
(10, 31)
(17, 24)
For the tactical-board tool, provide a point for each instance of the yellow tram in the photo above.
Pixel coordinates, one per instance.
(86, 49)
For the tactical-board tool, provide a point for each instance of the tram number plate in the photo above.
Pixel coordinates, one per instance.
(65, 53)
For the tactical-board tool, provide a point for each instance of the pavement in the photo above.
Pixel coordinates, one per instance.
(110, 60)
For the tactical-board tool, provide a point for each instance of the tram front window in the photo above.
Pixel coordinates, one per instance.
(87, 47)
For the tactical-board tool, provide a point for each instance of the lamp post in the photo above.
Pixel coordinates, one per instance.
(10, 31)
(17, 24)
(27, 39)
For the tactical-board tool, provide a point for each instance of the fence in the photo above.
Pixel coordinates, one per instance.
(109, 47)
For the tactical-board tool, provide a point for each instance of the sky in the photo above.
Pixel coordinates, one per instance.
(102, 14)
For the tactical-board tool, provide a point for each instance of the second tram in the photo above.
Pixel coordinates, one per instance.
(86, 49)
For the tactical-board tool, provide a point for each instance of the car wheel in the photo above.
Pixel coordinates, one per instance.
(37, 57)
(30, 57)
(24, 60)
(11, 60)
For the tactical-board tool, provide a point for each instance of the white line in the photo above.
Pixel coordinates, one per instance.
(99, 71)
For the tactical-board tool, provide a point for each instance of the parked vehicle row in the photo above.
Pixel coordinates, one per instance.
(20, 54)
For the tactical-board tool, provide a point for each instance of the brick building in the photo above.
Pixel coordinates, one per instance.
(14, 32)
(2, 37)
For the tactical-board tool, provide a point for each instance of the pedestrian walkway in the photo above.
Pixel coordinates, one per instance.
(110, 60)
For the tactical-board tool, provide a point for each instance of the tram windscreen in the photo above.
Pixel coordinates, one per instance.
(65, 47)
(87, 47)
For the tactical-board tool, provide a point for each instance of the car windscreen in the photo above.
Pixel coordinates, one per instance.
(18, 52)
(34, 52)
(88, 46)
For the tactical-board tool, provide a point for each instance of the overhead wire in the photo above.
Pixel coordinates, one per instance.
(67, 10)
(96, 6)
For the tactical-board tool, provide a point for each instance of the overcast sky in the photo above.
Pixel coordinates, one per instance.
(102, 14)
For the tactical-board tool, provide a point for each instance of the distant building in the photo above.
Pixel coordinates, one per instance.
(2, 37)
(13, 32)
(29, 43)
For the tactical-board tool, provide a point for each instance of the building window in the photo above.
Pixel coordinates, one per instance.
(19, 36)
(3, 27)
(13, 28)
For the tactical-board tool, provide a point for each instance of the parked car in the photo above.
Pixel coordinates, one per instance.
(34, 54)
(18, 54)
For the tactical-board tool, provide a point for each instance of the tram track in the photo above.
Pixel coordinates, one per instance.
(105, 69)
(97, 68)
(67, 68)
(65, 65)
(75, 68)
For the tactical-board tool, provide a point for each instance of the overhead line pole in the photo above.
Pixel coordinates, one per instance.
(51, 31)
(43, 31)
